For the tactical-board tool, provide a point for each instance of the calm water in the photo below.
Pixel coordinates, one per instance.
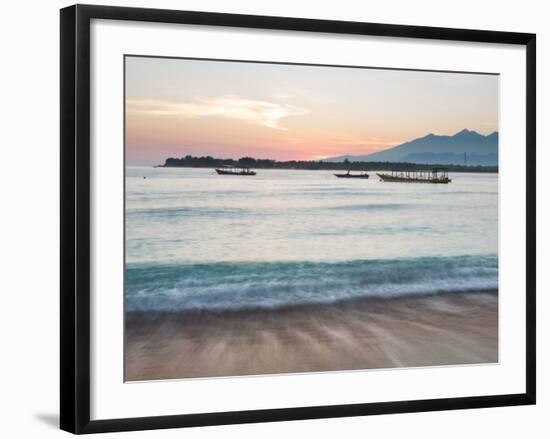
(198, 240)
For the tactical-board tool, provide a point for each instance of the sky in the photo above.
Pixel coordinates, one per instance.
(179, 107)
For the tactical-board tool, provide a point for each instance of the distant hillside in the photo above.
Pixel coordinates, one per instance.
(432, 149)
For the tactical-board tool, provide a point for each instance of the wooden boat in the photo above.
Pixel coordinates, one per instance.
(350, 175)
(229, 170)
(435, 176)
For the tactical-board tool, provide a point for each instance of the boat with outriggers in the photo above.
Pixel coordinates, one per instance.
(434, 176)
(348, 174)
(230, 170)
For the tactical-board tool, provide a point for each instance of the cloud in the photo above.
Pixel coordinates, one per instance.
(268, 114)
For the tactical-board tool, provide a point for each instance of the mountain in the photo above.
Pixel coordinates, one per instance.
(432, 149)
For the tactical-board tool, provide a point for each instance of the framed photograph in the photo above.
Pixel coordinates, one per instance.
(273, 218)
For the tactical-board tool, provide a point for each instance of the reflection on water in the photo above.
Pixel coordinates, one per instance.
(182, 215)
(195, 239)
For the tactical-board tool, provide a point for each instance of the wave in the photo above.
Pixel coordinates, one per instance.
(373, 206)
(201, 212)
(184, 211)
(241, 285)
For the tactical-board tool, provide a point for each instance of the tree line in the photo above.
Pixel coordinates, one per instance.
(190, 161)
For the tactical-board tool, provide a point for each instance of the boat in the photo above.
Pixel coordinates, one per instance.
(230, 170)
(435, 176)
(350, 175)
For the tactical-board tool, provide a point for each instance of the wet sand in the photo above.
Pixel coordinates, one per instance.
(445, 329)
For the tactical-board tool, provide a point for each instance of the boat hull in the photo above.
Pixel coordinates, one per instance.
(224, 172)
(395, 179)
(351, 176)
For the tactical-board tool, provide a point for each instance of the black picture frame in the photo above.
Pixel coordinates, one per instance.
(75, 217)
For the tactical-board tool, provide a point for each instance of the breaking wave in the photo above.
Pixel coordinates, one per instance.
(242, 285)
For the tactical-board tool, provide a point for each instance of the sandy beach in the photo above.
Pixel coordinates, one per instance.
(440, 329)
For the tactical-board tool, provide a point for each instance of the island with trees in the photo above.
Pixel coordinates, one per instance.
(190, 161)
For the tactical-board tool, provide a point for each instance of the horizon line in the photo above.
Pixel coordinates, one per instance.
(339, 156)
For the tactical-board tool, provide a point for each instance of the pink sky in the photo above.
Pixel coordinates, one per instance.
(176, 107)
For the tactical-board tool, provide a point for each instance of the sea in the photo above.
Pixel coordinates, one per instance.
(195, 240)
